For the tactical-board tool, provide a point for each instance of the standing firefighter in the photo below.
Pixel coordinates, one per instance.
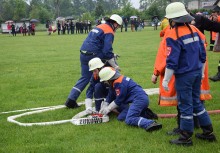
(185, 59)
(97, 44)
(125, 91)
(169, 98)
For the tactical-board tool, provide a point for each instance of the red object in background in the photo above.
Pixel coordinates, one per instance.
(97, 115)
(9, 26)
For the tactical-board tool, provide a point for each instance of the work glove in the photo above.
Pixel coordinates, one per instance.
(203, 70)
(116, 56)
(88, 105)
(167, 77)
(108, 109)
(154, 78)
(104, 104)
(113, 64)
(165, 85)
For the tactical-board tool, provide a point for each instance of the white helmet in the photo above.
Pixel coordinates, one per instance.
(95, 63)
(175, 9)
(116, 18)
(106, 73)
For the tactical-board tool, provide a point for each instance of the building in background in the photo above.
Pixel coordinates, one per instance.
(200, 4)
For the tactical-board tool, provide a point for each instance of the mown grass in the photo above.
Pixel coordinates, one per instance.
(37, 71)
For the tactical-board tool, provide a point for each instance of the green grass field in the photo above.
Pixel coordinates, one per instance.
(40, 70)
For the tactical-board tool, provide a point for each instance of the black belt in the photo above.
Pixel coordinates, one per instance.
(86, 53)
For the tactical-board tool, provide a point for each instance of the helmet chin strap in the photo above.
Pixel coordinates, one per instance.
(170, 23)
(113, 27)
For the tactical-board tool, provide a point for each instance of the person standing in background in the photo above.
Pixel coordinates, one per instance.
(47, 26)
(90, 25)
(72, 27)
(33, 28)
(58, 27)
(13, 31)
(24, 29)
(126, 24)
(9, 28)
(29, 29)
(132, 24)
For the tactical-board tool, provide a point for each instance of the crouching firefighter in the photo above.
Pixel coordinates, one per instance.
(126, 92)
(98, 89)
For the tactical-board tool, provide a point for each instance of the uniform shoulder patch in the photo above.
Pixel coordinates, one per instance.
(117, 91)
(169, 49)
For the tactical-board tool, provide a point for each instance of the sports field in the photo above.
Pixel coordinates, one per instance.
(39, 71)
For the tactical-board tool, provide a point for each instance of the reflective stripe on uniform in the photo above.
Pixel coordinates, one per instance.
(186, 117)
(77, 89)
(83, 51)
(141, 118)
(190, 40)
(199, 113)
(99, 98)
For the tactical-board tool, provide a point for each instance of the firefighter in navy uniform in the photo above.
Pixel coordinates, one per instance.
(186, 56)
(97, 44)
(100, 90)
(202, 23)
(125, 91)
(96, 88)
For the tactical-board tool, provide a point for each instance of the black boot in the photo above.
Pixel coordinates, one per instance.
(207, 134)
(71, 103)
(217, 76)
(149, 114)
(153, 127)
(185, 139)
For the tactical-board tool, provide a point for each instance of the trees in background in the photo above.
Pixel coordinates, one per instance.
(12, 9)
(44, 10)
